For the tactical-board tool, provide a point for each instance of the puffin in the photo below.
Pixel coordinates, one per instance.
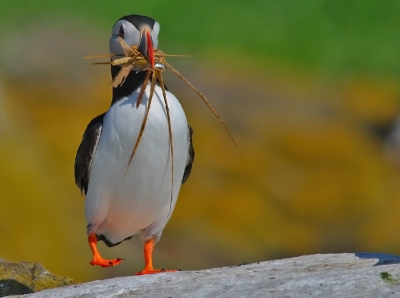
(128, 195)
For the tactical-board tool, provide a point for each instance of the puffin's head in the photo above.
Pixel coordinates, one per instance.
(137, 31)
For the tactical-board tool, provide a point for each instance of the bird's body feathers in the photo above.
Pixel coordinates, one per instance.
(123, 200)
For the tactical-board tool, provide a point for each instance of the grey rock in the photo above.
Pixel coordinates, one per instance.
(327, 275)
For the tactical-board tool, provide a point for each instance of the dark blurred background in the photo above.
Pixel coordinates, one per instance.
(310, 90)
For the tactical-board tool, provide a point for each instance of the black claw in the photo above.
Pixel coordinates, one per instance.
(162, 270)
(111, 263)
(179, 269)
(120, 259)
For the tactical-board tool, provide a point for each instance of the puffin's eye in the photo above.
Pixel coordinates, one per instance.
(121, 32)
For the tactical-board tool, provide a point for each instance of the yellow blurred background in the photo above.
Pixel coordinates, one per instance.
(309, 91)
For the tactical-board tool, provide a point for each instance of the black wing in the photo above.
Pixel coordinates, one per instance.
(86, 151)
(190, 160)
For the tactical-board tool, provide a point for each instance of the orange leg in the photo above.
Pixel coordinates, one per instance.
(97, 258)
(148, 260)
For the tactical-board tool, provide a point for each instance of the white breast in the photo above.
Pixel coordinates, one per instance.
(122, 201)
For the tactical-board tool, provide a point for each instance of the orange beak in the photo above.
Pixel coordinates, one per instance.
(146, 47)
(150, 49)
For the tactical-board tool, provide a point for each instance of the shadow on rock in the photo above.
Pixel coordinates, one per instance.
(13, 287)
(383, 259)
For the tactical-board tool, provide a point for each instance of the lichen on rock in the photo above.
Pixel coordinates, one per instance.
(27, 277)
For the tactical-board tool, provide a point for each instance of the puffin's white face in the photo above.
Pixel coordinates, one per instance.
(133, 36)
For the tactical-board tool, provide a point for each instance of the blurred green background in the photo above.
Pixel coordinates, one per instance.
(309, 90)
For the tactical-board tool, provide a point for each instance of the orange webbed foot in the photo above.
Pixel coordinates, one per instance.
(153, 271)
(97, 258)
(148, 260)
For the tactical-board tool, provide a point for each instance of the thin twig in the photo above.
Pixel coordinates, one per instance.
(146, 80)
(143, 122)
(160, 77)
(101, 56)
(128, 50)
(205, 101)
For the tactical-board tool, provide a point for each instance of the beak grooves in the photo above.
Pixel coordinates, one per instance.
(150, 49)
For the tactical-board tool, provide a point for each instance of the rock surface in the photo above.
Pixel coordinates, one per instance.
(26, 277)
(329, 275)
